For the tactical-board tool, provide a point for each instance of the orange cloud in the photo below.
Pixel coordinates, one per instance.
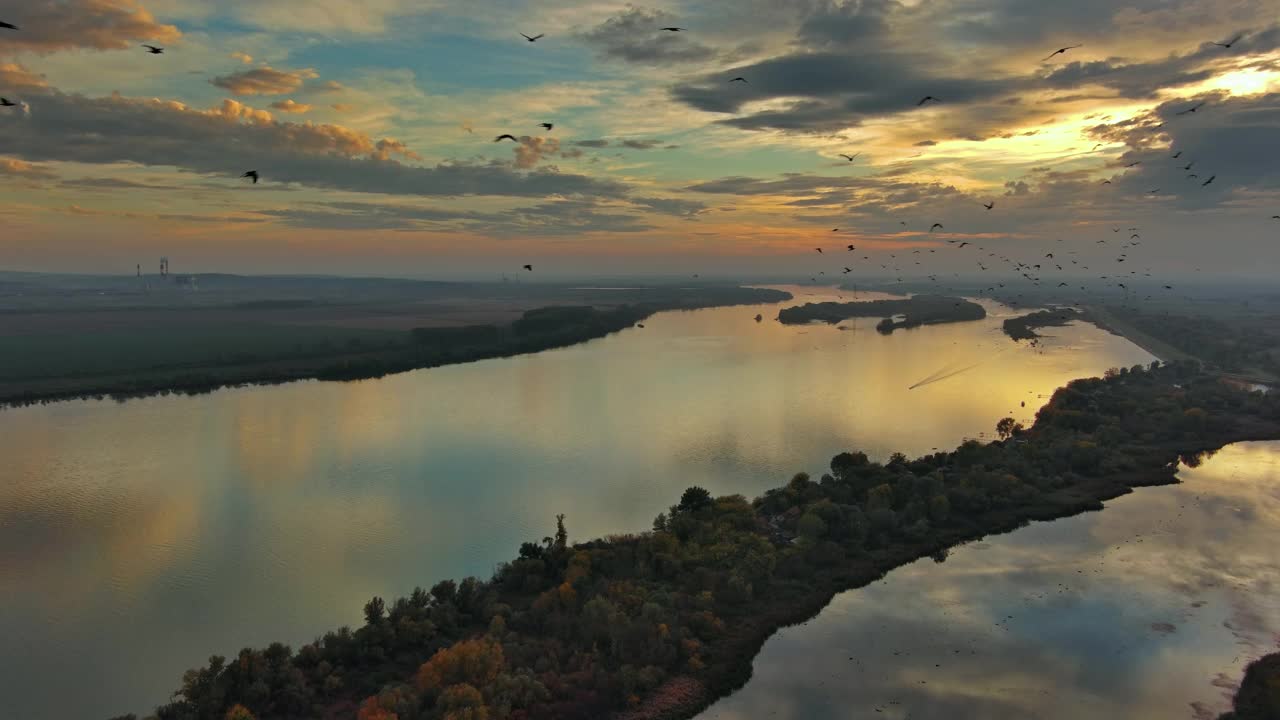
(245, 58)
(94, 24)
(14, 76)
(22, 169)
(289, 106)
(264, 80)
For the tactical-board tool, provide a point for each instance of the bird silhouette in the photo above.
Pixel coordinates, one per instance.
(818, 249)
(1061, 51)
(546, 126)
(1135, 235)
(1191, 109)
(253, 174)
(154, 50)
(506, 136)
(926, 99)
(739, 79)
(989, 205)
(529, 268)
(962, 245)
(936, 226)
(850, 158)
(674, 29)
(1134, 164)
(1206, 182)
(1230, 42)
(1106, 182)
(8, 26)
(5, 102)
(1177, 155)
(852, 248)
(532, 39)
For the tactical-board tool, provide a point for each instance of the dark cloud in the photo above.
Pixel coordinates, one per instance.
(227, 140)
(112, 184)
(590, 143)
(926, 143)
(671, 206)
(640, 144)
(634, 35)
(841, 23)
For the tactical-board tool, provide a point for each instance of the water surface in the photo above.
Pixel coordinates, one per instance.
(138, 538)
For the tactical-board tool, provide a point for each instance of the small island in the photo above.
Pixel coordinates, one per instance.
(1025, 326)
(914, 311)
(658, 625)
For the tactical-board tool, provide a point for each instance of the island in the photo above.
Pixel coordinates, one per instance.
(1259, 694)
(1024, 327)
(659, 624)
(92, 337)
(914, 311)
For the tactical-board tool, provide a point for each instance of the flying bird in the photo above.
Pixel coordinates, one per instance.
(989, 205)
(8, 26)
(6, 102)
(1178, 155)
(936, 226)
(1061, 51)
(852, 248)
(962, 245)
(1106, 182)
(1230, 42)
(818, 249)
(251, 174)
(532, 39)
(1275, 217)
(850, 157)
(926, 99)
(529, 268)
(1188, 165)
(1191, 109)
(506, 136)
(1134, 164)
(1135, 235)
(154, 50)
(739, 79)
(1206, 182)
(546, 126)
(674, 29)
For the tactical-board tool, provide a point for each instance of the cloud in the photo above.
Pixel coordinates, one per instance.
(531, 150)
(264, 80)
(51, 25)
(243, 57)
(634, 35)
(590, 143)
(289, 106)
(24, 170)
(113, 184)
(232, 137)
(672, 206)
(15, 78)
(640, 144)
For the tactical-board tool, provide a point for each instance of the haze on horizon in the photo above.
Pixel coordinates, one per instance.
(373, 123)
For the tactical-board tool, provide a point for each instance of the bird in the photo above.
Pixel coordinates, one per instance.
(532, 39)
(835, 229)
(1191, 109)
(926, 99)
(674, 29)
(1206, 182)
(1050, 256)
(1275, 217)
(251, 174)
(1106, 182)
(818, 249)
(962, 244)
(1135, 235)
(852, 248)
(546, 126)
(850, 158)
(529, 268)
(8, 26)
(1177, 155)
(936, 226)
(1230, 42)
(1153, 192)
(1061, 51)
(1134, 164)
(1188, 165)
(1192, 175)
(989, 205)
(1168, 287)
(154, 50)
(506, 136)
(739, 79)
(6, 102)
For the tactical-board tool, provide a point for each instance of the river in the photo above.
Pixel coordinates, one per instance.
(138, 538)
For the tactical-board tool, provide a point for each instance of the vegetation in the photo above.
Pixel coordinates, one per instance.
(659, 624)
(200, 359)
(1024, 327)
(915, 311)
(1246, 345)
(1259, 694)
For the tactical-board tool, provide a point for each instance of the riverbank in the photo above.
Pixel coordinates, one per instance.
(658, 625)
(361, 356)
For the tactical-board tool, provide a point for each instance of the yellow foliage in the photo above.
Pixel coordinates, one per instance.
(371, 710)
(474, 662)
(239, 712)
(568, 596)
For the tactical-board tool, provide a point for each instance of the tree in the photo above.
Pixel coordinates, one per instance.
(462, 702)
(374, 612)
(694, 499)
(475, 662)
(562, 535)
(239, 712)
(1008, 428)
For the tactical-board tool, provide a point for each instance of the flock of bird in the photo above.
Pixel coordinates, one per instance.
(1027, 270)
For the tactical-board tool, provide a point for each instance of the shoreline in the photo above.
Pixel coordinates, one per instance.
(453, 346)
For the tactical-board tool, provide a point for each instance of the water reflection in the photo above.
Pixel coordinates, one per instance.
(138, 538)
(1149, 609)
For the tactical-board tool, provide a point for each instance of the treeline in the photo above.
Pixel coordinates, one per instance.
(1259, 695)
(659, 624)
(1244, 345)
(915, 311)
(537, 330)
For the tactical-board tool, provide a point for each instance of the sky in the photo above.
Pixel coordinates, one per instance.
(372, 125)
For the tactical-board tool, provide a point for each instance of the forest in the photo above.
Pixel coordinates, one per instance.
(915, 311)
(656, 625)
(1024, 327)
(1259, 694)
